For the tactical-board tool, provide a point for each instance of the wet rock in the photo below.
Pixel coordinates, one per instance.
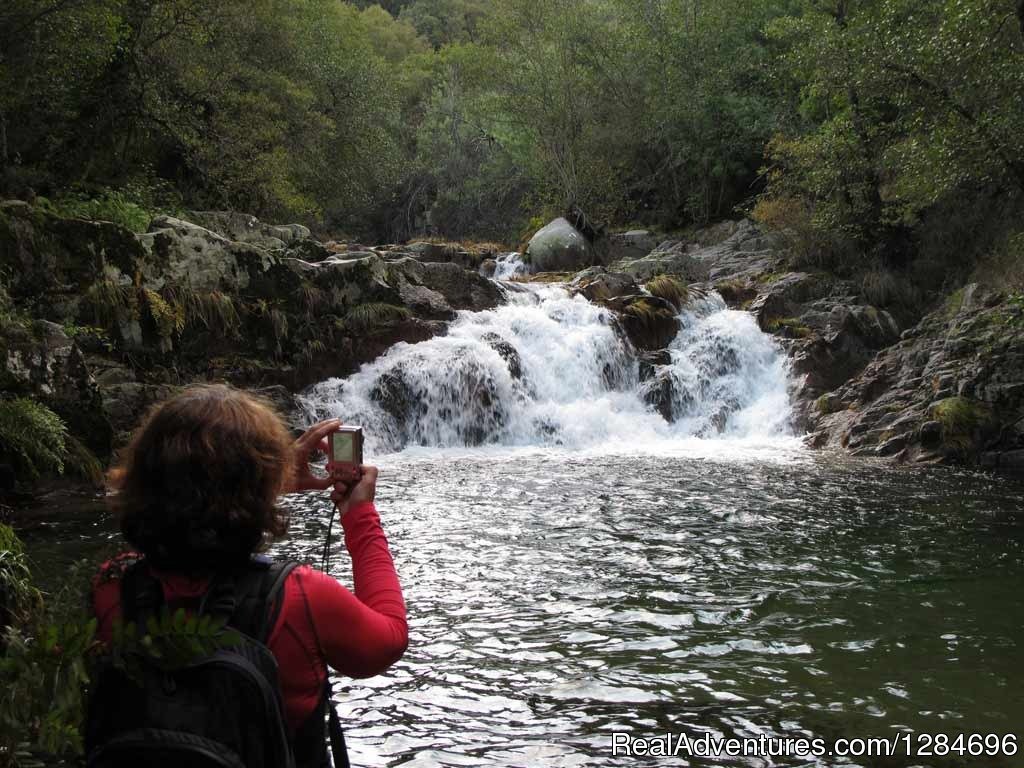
(424, 251)
(559, 247)
(650, 362)
(488, 267)
(659, 392)
(508, 353)
(394, 395)
(930, 435)
(279, 396)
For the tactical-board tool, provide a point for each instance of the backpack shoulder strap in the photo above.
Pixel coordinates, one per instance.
(141, 593)
(258, 597)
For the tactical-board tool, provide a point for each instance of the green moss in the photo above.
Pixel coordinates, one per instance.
(827, 404)
(672, 289)
(771, 277)
(790, 327)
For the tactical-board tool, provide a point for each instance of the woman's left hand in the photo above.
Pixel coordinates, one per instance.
(314, 439)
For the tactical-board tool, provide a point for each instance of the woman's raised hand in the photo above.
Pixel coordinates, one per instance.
(314, 439)
(345, 494)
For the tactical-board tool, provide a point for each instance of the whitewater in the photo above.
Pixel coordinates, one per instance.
(550, 370)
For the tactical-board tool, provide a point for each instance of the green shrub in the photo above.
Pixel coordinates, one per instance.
(962, 420)
(44, 669)
(18, 599)
(32, 437)
(108, 205)
(672, 289)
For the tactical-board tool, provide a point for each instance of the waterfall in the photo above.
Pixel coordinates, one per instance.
(550, 369)
(509, 265)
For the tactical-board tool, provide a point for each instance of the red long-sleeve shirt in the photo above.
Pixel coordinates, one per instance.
(321, 622)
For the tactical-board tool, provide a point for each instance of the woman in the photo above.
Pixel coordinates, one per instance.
(196, 494)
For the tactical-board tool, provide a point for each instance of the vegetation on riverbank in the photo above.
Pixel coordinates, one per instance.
(45, 645)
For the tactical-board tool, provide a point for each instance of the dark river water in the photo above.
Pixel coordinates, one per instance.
(557, 598)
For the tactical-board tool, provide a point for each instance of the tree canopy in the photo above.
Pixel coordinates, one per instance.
(852, 121)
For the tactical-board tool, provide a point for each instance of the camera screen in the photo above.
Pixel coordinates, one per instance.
(343, 446)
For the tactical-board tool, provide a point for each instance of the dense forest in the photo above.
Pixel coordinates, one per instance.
(875, 132)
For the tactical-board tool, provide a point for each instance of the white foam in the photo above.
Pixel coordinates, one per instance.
(579, 389)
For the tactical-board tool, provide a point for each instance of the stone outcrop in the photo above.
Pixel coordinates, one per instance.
(113, 321)
(952, 389)
(599, 285)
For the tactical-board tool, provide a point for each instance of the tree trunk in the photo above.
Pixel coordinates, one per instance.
(1020, 16)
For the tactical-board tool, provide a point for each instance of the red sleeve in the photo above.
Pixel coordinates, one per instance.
(360, 634)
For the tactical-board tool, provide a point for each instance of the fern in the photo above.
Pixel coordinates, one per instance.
(32, 436)
(672, 289)
(365, 317)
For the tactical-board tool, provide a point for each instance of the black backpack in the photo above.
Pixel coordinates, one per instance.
(221, 709)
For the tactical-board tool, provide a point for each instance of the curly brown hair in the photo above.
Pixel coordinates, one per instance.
(196, 488)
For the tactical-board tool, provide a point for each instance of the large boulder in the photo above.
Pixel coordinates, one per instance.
(559, 247)
(599, 285)
(461, 288)
(181, 253)
(245, 228)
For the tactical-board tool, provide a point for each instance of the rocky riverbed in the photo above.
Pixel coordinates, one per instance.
(99, 322)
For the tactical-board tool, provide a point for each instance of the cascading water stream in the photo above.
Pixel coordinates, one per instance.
(549, 369)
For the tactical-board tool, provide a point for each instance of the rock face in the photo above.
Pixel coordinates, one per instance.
(559, 247)
(634, 244)
(243, 228)
(257, 305)
(951, 390)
